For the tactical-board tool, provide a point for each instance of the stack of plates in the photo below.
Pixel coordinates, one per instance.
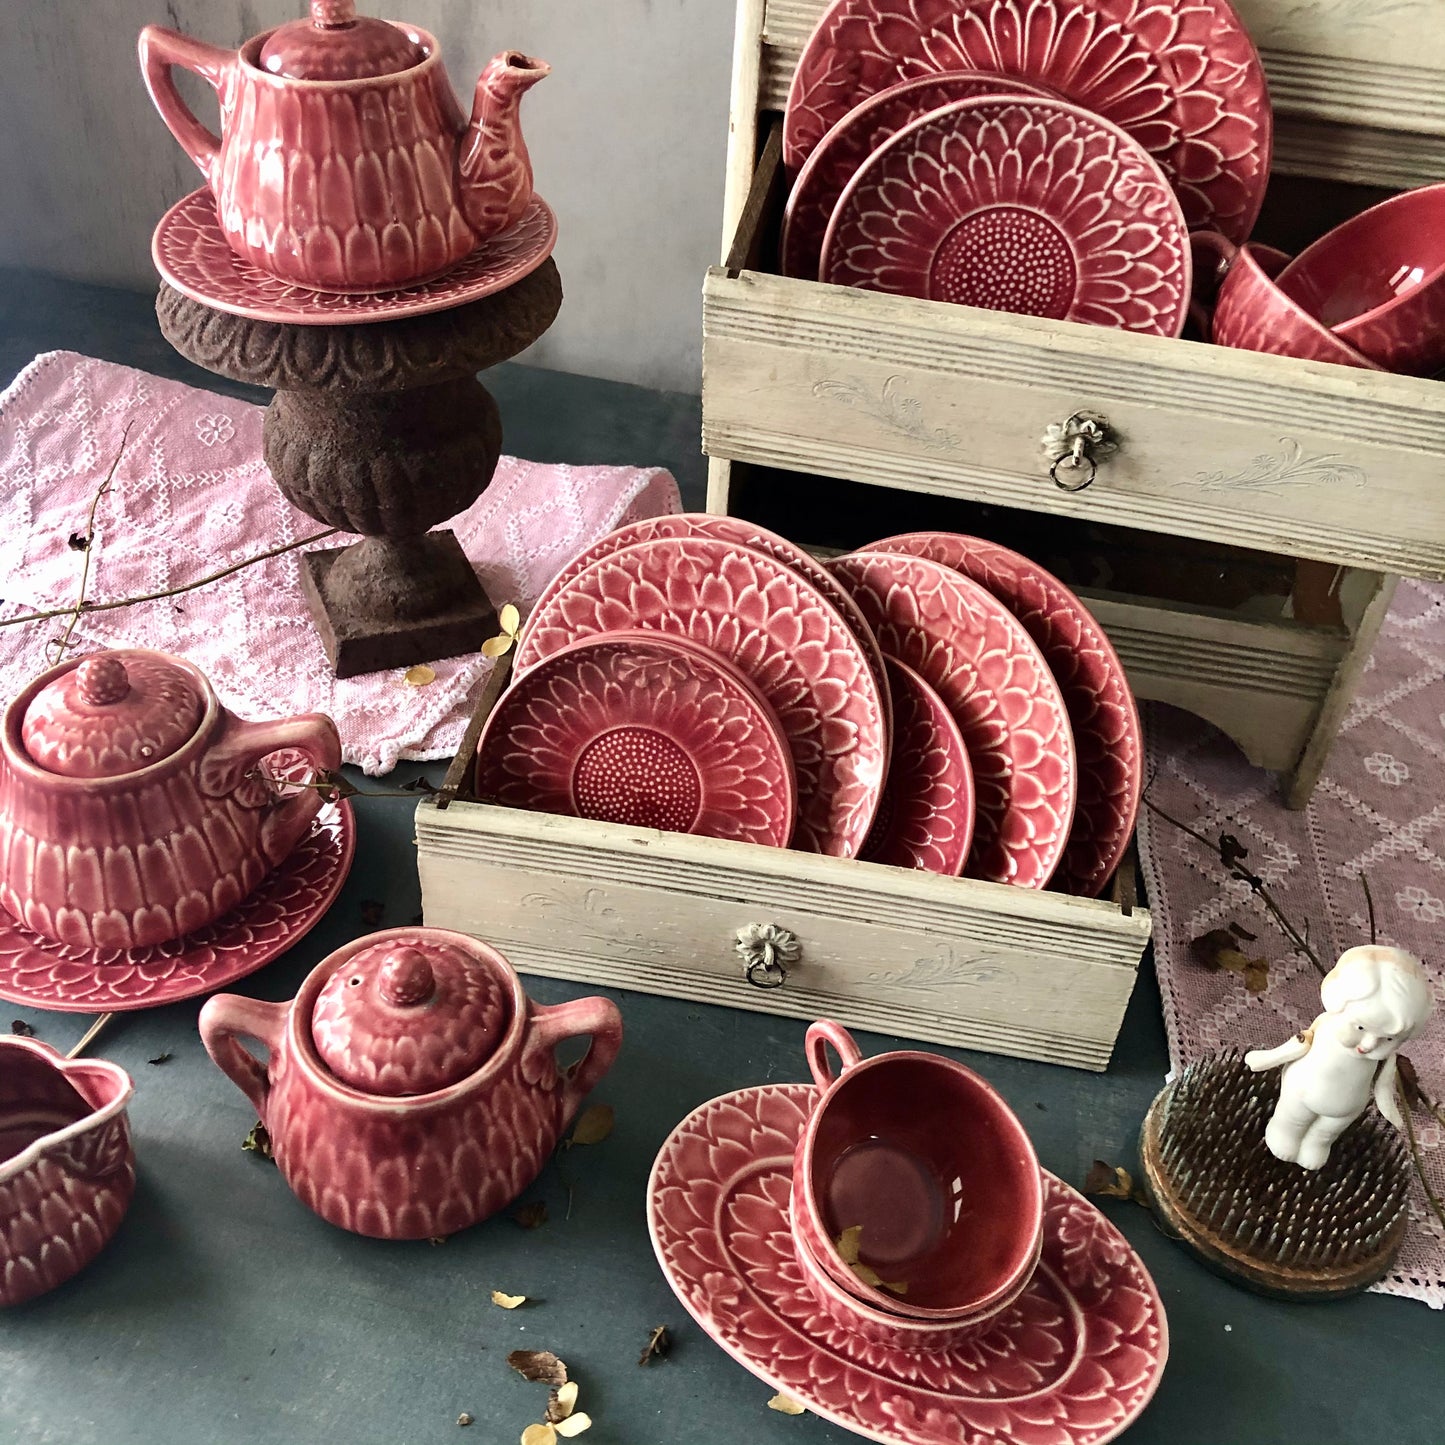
(932, 701)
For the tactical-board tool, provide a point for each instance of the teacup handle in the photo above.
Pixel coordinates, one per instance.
(815, 1046)
(228, 1017)
(553, 1024)
(241, 747)
(160, 49)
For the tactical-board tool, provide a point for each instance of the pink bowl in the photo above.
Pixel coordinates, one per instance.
(935, 1170)
(1254, 314)
(1378, 281)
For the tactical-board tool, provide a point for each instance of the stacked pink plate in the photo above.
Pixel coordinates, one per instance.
(933, 701)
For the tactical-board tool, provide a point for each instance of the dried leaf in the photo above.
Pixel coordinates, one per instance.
(464, 1419)
(509, 619)
(507, 1301)
(847, 1247)
(539, 1435)
(561, 1402)
(496, 646)
(573, 1424)
(593, 1125)
(532, 1215)
(1240, 931)
(1109, 1180)
(78, 542)
(784, 1406)
(419, 785)
(847, 1243)
(1410, 1082)
(541, 1366)
(25, 1030)
(659, 1342)
(1231, 850)
(437, 1239)
(372, 912)
(1219, 949)
(333, 787)
(164, 1058)
(422, 675)
(258, 1141)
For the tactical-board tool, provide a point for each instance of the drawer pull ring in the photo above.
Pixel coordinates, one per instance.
(767, 951)
(1075, 449)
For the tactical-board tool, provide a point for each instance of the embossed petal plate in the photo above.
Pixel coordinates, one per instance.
(1182, 77)
(778, 630)
(977, 657)
(191, 252)
(1100, 702)
(1016, 204)
(1073, 1361)
(642, 729)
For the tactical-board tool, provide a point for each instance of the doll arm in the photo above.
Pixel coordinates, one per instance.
(1385, 1092)
(1261, 1059)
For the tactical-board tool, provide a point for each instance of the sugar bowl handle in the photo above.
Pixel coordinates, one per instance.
(555, 1023)
(815, 1046)
(225, 1020)
(160, 49)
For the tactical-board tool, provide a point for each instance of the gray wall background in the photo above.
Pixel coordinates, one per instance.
(627, 137)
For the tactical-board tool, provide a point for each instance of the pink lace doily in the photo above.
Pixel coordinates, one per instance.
(192, 494)
(1377, 811)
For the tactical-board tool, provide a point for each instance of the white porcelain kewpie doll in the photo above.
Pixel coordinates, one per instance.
(1375, 999)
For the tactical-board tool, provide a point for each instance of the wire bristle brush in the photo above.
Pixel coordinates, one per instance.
(1280, 1229)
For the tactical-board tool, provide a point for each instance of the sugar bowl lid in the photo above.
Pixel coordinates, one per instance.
(336, 43)
(408, 1015)
(114, 713)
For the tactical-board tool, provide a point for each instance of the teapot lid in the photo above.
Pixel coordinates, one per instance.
(408, 1015)
(337, 44)
(114, 713)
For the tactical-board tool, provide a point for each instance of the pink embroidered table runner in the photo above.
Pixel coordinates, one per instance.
(1378, 810)
(192, 495)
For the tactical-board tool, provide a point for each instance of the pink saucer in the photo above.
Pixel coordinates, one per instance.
(278, 915)
(1019, 204)
(1100, 702)
(646, 730)
(1073, 1361)
(978, 658)
(1182, 77)
(856, 136)
(192, 254)
(785, 637)
(926, 817)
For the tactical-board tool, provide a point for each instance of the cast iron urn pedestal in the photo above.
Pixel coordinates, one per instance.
(383, 429)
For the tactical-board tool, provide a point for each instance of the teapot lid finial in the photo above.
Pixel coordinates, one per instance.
(333, 14)
(335, 43)
(102, 680)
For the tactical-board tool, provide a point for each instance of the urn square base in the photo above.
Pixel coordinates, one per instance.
(357, 642)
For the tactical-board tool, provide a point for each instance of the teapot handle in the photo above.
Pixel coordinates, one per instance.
(815, 1046)
(227, 1016)
(242, 745)
(553, 1024)
(160, 49)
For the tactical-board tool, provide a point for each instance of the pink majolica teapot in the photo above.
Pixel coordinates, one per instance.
(344, 161)
(132, 809)
(412, 1087)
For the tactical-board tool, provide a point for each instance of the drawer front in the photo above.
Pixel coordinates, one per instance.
(943, 960)
(1257, 451)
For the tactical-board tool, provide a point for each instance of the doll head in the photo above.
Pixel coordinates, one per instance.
(1375, 999)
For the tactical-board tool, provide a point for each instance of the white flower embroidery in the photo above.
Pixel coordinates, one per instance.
(1387, 769)
(1420, 904)
(215, 428)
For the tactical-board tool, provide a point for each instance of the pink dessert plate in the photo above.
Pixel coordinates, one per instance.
(1073, 1361)
(642, 729)
(978, 658)
(192, 254)
(290, 902)
(745, 534)
(1180, 76)
(1021, 204)
(778, 630)
(1097, 695)
(926, 817)
(836, 159)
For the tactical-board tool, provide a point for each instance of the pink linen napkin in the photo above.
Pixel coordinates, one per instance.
(192, 494)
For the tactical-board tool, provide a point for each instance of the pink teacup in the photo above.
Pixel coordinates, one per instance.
(1378, 281)
(1254, 314)
(934, 1172)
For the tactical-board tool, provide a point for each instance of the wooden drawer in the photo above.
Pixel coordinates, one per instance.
(1267, 452)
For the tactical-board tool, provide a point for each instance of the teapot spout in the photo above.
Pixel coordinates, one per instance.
(494, 169)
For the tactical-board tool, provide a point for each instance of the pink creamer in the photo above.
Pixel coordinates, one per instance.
(134, 807)
(344, 161)
(412, 1087)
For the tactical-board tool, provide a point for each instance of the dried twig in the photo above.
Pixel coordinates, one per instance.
(1430, 1194)
(1370, 906)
